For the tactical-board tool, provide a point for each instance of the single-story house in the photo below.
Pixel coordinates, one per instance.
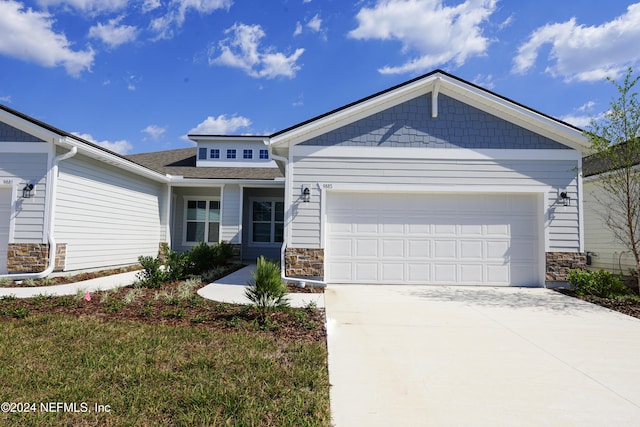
(433, 181)
(604, 251)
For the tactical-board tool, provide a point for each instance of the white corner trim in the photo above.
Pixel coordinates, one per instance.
(580, 207)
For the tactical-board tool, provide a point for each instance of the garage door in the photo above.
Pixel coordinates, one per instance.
(5, 217)
(465, 239)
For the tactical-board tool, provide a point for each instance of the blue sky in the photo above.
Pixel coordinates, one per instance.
(138, 76)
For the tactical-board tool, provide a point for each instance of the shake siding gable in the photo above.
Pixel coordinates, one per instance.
(106, 216)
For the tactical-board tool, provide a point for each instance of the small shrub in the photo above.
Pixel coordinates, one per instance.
(132, 295)
(175, 313)
(179, 265)
(199, 318)
(47, 281)
(66, 301)
(5, 281)
(8, 298)
(214, 274)
(266, 289)
(114, 305)
(20, 312)
(147, 309)
(597, 283)
(152, 275)
(30, 283)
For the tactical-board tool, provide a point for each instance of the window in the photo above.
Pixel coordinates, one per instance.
(231, 154)
(247, 154)
(267, 221)
(264, 154)
(214, 153)
(203, 221)
(202, 153)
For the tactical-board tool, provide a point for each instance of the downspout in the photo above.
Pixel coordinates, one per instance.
(50, 238)
(287, 197)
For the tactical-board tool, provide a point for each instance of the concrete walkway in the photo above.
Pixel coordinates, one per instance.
(228, 289)
(231, 289)
(465, 356)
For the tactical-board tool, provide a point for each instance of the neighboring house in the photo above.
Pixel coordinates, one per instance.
(603, 249)
(434, 181)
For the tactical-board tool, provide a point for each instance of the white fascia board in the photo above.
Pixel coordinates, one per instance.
(178, 181)
(228, 138)
(106, 157)
(516, 114)
(28, 127)
(425, 153)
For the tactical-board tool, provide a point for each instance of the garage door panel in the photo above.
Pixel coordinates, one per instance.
(392, 248)
(366, 248)
(432, 238)
(418, 248)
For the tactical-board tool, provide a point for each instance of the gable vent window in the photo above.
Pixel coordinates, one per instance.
(264, 154)
(202, 153)
(247, 154)
(214, 153)
(231, 154)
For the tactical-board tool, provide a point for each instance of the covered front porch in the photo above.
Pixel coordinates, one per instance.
(250, 216)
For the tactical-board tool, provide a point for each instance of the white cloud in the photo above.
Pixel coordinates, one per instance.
(28, 35)
(154, 131)
(150, 5)
(298, 29)
(486, 81)
(165, 26)
(114, 34)
(242, 50)
(221, 125)
(94, 6)
(585, 53)
(121, 146)
(583, 116)
(439, 34)
(5, 99)
(315, 23)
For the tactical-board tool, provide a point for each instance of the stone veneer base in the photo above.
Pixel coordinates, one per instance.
(558, 265)
(34, 257)
(304, 262)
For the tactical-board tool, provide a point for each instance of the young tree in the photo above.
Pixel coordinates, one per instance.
(615, 140)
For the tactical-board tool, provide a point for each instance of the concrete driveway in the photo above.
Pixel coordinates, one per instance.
(467, 356)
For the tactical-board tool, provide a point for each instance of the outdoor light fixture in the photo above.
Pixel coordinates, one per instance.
(306, 194)
(566, 200)
(26, 191)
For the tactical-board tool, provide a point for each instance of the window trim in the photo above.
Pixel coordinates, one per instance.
(273, 221)
(186, 200)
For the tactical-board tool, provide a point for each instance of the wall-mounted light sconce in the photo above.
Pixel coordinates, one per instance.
(306, 194)
(26, 191)
(566, 200)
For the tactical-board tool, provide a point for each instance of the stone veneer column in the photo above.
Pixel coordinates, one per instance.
(304, 262)
(34, 257)
(558, 265)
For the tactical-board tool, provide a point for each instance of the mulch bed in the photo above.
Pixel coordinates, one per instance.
(163, 306)
(625, 306)
(308, 289)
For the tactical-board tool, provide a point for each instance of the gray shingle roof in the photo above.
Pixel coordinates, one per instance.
(182, 162)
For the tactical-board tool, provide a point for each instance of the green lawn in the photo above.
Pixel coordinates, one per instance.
(154, 374)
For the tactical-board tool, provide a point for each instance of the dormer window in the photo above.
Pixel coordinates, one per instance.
(247, 154)
(231, 154)
(202, 153)
(264, 154)
(214, 153)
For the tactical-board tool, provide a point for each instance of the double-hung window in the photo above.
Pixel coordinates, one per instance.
(267, 221)
(202, 221)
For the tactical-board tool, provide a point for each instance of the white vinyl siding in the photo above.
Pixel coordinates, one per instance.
(30, 213)
(230, 228)
(106, 216)
(455, 175)
(610, 254)
(5, 220)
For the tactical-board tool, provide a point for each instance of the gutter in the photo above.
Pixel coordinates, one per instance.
(50, 238)
(287, 195)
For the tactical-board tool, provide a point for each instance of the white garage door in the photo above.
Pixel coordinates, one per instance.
(465, 239)
(5, 217)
